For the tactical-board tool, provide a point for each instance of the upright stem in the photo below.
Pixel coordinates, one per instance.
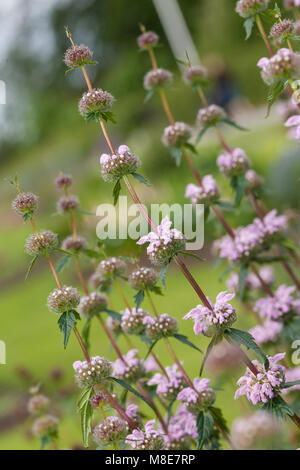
(121, 294)
(111, 339)
(80, 341)
(152, 303)
(263, 34)
(80, 276)
(137, 201)
(120, 410)
(263, 283)
(53, 271)
(166, 106)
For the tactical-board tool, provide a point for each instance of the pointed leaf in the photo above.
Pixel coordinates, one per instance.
(130, 389)
(32, 262)
(245, 339)
(63, 263)
(183, 339)
(139, 298)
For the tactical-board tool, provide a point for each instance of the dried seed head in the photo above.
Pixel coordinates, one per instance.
(45, 425)
(133, 321)
(112, 267)
(100, 281)
(91, 373)
(282, 28)
(114, 167)
(109, 430)
(161, 327)
(42, 243)
(37, 403)
(95, 103)
(211, 115)
(147, 40)
(63, 300)
(157, 78)
(143, 278)
(77, 56)
(73, 244)
(247, 8)
(176, 134)
(67, 204)
(92, 304)
(25, 204)
(63, 181)
(195, 76)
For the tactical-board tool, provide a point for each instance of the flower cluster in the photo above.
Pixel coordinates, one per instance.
(177, 134)
(282, 66)
(111, 429)
(282, 28)
(63, 300)
(38, 404)
(211, 115)
(25, 204)
(45, 425)
(133, 321)
(252, 281)
(253, 179)
(42, 243)
(181, 430)
(73, 244)
(198, 398)
(266, 333)
(207, 193)
(164, 244)
(114, 325)
(147, 40)
(150, 439)
(294, 123)
(280, 305)
(77, 56)
(157, 78)
(63, 181)
(253, 238)
(161, 327)
(132, 411)
(210, 322)
(168, 387)
(247, 8)
(92, 304)
(100, 281)
(94, 103)
(291, 3)
(233, 163)
(67, 204)
(195, 76)
(129, 368)
(264, 386)
(93, 372)
(143, 278)
(114, 167)
(247, 430)
(112, 267)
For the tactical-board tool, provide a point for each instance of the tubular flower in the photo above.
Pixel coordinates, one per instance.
(168, 387)
(198, 398)
(63, 300)
(233, 163)
(91, 373)
(207, 193)
(114, 167)
(161, 327)
(150, 439)
(266, 333)
(277, 307)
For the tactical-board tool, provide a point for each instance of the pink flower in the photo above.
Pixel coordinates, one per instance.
(294, 122)
(266, 333)
(206, 193)
(150, 439)
(211, 321)
(168, 387)
(199, 397)
(234, 162)
(262, 388)
(282, 303)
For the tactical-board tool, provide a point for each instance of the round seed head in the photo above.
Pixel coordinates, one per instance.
(25, 204)
(95, 102)
(41, 244)
(143, 278)
(63, 300)
(37, 403)
(91, 373)
(92, 304)
(109, 430)
(45, 425)
(73, 244)
(157, 78)
(77, 56)
(195, 76)
(147, 40)
(63, 181)
(67, 204)
(112, 267)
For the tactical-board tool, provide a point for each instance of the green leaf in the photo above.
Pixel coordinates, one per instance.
(63, 263)
(116, 191)
(291, 330)
(205, 426)
(274, 92)
(84, 407)
(201, 134)
(227, 271)
(82, 211)
(278, 407)
(151, 348)
(113, 314)
(163, 275)
(139, 298)
(149, 95)
(93, 254)
(233, 124)
(291, 384)
(244, 338)
(183, 339)
(242, 281)
(192, 255)
(31, 266)
(226, 206)
(239, 184)
(176, 153)
(190, 147)
(216, 339)
(219, 418)
(130, 389)
(85, 333)
(248, 25)
(45, 441)
(140, 178)
(66, 323)
(157, 290)
(85, 396)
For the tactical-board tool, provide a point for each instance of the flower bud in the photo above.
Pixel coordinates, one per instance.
(147, 40)
(67, 204)
(195, 76)
(63, 300)
(233, 163)
(42, 243)
(247, 8)
(77, 56)
(211, 115)
(94, 103)
(157, 78)
(92, 304)
(25, 204)
(114, 167)
(282, 28)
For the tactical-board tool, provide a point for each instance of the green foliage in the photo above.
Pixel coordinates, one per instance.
(205, 425)
(183, 339)
(278, 407)
(139, 298)
(31, 264)
(63, 263)
(66, 323)
(84, 407)
(245, 339)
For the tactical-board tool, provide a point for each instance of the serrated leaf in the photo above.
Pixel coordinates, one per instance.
(244, 338)
(86, 415)
(116, 192)
(278, 407)
(32, 262)
(183, 339)
(248, 25)
(274, 92)
(217, 414)
(156, 290)
(163, 275)
(205, 425)
(66, 323)
(201, 133)
(216, 339)
(63, 263)
(234, 124)
(84, 397)
(130, 389)
(139, 298)
(291, 384)
(140, 178)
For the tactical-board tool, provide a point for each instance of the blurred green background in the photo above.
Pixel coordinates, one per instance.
(42, 133)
